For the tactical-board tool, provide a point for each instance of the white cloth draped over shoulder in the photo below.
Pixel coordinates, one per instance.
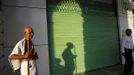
(19, 49)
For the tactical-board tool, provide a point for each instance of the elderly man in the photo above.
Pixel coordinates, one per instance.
(24, 55)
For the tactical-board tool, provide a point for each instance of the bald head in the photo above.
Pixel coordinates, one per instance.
(28, 32)
(28, 27)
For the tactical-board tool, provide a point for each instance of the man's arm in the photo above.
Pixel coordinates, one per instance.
(18, 56)
(35, 55)
(123, 45)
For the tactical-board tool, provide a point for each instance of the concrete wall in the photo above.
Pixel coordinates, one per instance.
(17, 13)
(1, 34)
(125, 21)
(1, 42)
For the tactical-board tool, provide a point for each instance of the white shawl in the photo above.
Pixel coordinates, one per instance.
(18, 49)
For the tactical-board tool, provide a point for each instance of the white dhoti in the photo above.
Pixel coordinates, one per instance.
(32, 67)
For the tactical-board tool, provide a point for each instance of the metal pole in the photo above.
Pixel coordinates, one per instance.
(75, 59)
(28, 58)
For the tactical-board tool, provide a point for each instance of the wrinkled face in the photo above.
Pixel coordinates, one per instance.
(28, 33)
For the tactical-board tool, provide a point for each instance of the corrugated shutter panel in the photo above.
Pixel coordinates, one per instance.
(79, 29)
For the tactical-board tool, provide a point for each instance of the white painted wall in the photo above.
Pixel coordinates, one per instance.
(17, 13)
(125, 21)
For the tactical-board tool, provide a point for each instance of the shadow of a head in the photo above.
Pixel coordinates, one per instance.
(70, 45)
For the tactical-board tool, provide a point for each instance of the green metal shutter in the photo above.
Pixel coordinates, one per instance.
(89, 33)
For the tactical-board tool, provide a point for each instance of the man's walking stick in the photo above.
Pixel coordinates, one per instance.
(28, 57)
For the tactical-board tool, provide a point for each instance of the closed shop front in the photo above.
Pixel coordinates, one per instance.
(83, 35)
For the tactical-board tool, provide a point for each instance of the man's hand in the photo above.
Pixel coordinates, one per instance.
(10, 57)
(27, 55)
(30, 54)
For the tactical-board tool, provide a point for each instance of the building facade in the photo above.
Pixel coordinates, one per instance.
(91, 27)
(71, 36)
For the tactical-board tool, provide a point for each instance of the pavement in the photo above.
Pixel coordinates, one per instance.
(112, 70)
(5, 69)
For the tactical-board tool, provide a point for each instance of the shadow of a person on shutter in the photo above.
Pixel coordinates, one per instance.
(58, 68)
(69, 58)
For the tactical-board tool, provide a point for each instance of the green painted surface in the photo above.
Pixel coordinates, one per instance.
(81, 38)
(101, 41)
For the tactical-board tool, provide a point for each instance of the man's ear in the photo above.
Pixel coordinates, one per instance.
(32, 34)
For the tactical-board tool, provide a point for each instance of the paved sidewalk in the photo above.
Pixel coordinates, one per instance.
(112, 70)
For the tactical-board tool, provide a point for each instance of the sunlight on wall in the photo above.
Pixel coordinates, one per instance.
(68, 27)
